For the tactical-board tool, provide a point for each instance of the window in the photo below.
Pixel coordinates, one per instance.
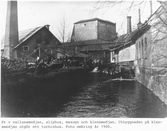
(139, 51)
(142, 49)
(145, 47)
(145, 43)
(136, 50)
(25, 48)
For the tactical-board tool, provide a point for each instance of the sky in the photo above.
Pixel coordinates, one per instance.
(38, 13)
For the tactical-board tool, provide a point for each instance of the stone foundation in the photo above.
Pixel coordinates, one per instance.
(154, 79)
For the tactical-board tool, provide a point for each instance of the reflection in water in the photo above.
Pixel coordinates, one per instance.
(97, 96)
(107, 98)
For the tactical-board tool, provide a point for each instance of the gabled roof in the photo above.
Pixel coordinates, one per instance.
(24, 35)
(94, 19)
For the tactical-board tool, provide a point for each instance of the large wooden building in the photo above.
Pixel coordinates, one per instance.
(93, 37)
(93, 29)
(36, 42)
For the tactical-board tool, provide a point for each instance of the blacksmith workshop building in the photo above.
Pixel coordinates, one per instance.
(35, 42)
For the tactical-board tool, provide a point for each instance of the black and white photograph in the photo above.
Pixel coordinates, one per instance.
(83, 59)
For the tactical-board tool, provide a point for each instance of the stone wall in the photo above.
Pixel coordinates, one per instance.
(153, 80)
(151, 67)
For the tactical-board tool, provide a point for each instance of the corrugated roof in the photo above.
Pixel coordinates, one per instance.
(93, 19)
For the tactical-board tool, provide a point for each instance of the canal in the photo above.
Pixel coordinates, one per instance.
(97, 96)
(104, 97)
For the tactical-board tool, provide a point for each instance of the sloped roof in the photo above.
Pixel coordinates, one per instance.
(98, 47)
(93, 42)
(129, 39)
(163, 5)
(93, 19)
(24, 35)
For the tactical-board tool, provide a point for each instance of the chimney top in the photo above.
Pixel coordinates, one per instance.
(139, 16)
(129, 28)
(47, 26)
(139, 23)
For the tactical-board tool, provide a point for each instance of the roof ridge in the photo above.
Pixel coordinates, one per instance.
(92, 19)
(29, 29)
(27, 35)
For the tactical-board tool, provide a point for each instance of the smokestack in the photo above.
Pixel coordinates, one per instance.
(129, 28)
(139, 24)
(139, 16)
(47, 26)
(11, 32)
(151, 10)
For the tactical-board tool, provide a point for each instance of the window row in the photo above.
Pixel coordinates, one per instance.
(141, 48)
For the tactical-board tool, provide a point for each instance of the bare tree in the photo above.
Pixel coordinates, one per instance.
(158, 24)
(110, 4)
(123, 7)
(159, 37)
(64, 34)
(76, 40)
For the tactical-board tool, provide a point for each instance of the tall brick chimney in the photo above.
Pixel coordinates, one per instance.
(129, 27)
(11, 32)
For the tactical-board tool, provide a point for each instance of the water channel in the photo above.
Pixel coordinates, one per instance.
(104, 97)
(97, 96)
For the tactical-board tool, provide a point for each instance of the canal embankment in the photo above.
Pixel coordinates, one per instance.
(21, 92)
(155, 79)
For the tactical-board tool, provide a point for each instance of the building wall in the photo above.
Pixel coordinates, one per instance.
(106, 31)
(143, 58)
(127, 54)
(46, 40)
(151, 63)
(94, 30)
(112, 57)
(85, 31)
(99, 55)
